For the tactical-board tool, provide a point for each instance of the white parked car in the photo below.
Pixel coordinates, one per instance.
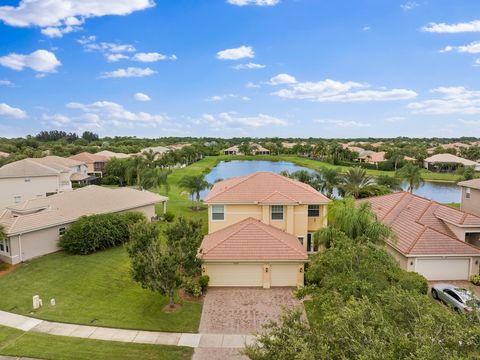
(460, 299)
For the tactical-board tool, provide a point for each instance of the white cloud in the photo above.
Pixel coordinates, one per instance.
(11, 112)
(236, 53)
(6, 83)
(394, 119)
(472, 48)
(343, 123)
(227, 96)
(116, 57)
(141, 97)
(254, 2)
(452, 100)
(232, 120)
(152, 57)
(335, 91)
(249, 66)
(472, 26)
(409, 5)
(282, 79)
(57, 120)
(105, 114)
(128, 72)
(58, 17)
(366, 28)
(41, 61)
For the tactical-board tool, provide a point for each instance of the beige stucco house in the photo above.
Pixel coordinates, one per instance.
(470, 196)
(260, 230)
(32, 178)
(437, 241)
(33, 227)
(432, 162)
(95, 163)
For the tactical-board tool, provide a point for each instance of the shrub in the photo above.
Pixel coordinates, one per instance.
(98, 232)
(203, 282)
(412, 281)
(192, 288)
(475, 280)
(110, 180)
(168, 216)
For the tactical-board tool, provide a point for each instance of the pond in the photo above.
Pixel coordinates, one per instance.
(438, 191)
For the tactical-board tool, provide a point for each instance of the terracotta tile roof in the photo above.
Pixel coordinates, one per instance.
(474, 183)
(421, 224)
(251, 239)
(264, 187)
(110, 154)
(67, 207)
(31, 168)
(89, 158)
(52, 159)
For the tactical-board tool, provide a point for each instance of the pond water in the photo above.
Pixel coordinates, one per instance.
(438, 191)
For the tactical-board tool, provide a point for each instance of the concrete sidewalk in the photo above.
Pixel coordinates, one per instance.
(224, 341)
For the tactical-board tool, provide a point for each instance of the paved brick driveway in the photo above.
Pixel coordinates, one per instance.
(243, 310)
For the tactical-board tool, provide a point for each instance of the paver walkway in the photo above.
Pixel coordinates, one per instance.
(225, 341)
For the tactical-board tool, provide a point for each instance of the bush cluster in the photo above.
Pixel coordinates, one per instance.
(98, 232)
(475, 280)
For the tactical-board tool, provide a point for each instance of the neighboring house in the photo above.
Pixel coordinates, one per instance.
(95, 163)
(232, 150)
(372, 157)
(32, 178)
(158, 151)
(448, 162)
(33, 227)
(4, 154)
(470, 196)
(457, 146)
(437, 241)
(260, 229)
(178, 146)
(288, 145)
(110, 154)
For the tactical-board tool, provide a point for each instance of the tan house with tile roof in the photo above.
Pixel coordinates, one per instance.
(437, 241)
(95, 163)
(434, 161)
(470, 196)
(33, 227)
(260, 229)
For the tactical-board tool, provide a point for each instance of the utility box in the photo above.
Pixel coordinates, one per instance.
(36, 302)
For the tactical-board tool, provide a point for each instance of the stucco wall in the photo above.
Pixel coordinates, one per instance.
(295, 218)
(402, 260)
(461, 231)
(472, 204)
(41, 242)
(35, 187)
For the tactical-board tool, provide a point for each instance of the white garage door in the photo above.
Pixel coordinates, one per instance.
(284, 275)
(235, 274)
(443, 269)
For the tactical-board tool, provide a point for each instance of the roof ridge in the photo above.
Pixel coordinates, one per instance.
(241, 227)
(267, 228)
(396, 203)
(425, 227)
(280, 193)
(245, 178)
(32, 161)
(430, 203)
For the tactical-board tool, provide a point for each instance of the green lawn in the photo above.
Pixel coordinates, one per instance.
(42, 346)
(93, 289)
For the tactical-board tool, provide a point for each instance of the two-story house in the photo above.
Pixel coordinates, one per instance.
(470, 196)
(95, 163)
(260, 230)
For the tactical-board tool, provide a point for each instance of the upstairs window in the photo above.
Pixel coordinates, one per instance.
(218, 212)
(61, 231)
(277, 212)
(313, 210)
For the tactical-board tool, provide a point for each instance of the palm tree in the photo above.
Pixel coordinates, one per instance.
(355, 182)
(137, 164)
(357, 222)
(154, 178)
(195, 184)
(328, 179)
(412, 175)
(246, 149)
(391, 182)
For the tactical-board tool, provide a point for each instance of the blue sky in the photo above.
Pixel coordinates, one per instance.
(300, 68)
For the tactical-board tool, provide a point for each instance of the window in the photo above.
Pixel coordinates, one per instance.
(61, 231)
(453, 295)
(277, 212)
(17, 199)
(311, 246)
(467, 193)
(218, 212)
(300, 239)
(313, 210)
(5, 246)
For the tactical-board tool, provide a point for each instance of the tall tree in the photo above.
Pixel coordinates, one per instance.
(245, 148)
(155, 265)
(154, 178)
(355, 181)
(329, 178)
(412, 175)
(194, 184)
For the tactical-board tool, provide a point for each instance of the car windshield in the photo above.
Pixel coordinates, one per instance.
(467, 296)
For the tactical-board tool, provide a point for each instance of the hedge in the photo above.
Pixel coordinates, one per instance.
(98, 232)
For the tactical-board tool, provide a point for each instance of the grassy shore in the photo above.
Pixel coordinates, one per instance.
(42, 346)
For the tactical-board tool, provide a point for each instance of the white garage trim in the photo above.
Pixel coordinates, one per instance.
(443, 269)
(235, 274)
(284, 274)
